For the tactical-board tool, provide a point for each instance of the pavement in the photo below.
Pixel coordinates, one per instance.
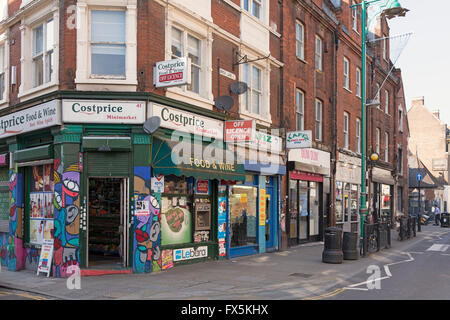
(293, 274)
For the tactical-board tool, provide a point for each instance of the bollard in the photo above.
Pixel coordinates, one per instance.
(349, 246)
(332, 252)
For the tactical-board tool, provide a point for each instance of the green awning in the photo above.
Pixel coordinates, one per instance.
(193, 158)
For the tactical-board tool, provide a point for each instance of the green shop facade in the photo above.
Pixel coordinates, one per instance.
(78, 170)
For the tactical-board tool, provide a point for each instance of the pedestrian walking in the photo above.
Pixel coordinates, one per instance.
(437, 215)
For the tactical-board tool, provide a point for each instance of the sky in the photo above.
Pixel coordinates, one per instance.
(425, 61)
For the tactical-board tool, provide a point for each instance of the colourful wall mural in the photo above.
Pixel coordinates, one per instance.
(66, 225)
(147, 225)
(14, 246)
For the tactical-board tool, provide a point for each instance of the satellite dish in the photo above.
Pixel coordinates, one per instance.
(224, 102)
(152, 124)
(238, 87)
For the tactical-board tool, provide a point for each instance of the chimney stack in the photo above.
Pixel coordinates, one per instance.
(420, 101)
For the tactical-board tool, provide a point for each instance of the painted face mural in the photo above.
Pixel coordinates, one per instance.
(66, 225)
(147, 226)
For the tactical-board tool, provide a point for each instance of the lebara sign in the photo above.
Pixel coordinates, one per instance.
(190, 253)
(44, 115)
(170, 73)
(298, 139)
(95, 111)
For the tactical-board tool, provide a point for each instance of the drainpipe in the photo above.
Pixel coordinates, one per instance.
(332, 213)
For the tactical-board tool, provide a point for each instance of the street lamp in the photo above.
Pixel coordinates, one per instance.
(392, 9)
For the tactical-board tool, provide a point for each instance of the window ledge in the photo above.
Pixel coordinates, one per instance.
(256, 117)
(302, 60)
(348, 89)
(191, 95)
(106, 81)
(37, 89)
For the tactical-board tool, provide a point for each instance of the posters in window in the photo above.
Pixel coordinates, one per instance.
(176, 222)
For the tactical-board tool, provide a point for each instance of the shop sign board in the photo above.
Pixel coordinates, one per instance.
(41, 116)
(202, 187)
(239, 130)
(265, 142)
(311, 157)
(175, 72)
(45, 260)
(188, 122)
(190, 253)
(102, 111)
(262, 207)
(298, 139)
(158, 183)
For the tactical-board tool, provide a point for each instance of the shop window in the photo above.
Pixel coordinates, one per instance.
(354, 202)
(40, 204)
(186, 210)
(293, 208)
(243, 216)
(339, 202)
(385, 201)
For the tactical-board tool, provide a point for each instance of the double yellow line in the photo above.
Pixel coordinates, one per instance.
(326, 295)
(24, 295)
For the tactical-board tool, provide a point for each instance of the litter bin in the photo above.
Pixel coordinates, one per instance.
(332, 251)
(445, 220)
(349, 246)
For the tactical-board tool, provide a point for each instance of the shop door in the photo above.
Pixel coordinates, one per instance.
(304, 211)
(271, 216)
(108, 222)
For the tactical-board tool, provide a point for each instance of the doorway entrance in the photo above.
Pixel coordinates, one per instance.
(108, 222)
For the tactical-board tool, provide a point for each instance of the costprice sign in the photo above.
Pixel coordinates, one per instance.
(179, 120)
(175, 72)
(42, 116)
(239, 130)
(100, 111)
(298, 139)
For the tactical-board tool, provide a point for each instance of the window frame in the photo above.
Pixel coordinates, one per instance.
(377, 140)
(346, 73)
(358, 136)
(248, 96)
(44, 54)
(400, 118)
(386, 101)
(318, 117)
(300, 42)
(301, 112)
(248, 5)
(400, 161)
(358, 82)
(4, 71)
(346, 129)
(386, 146)
(354, 13)
(318, 64)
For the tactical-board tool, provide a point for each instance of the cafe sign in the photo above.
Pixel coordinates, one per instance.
(99, 111)
(298, 139)
(41, 116)
(180, 120)
(169, 73)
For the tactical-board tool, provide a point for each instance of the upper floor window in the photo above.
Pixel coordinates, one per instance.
(42, 53)
(300, 109)
(400, 161)
(354, 19)
(318, 127)
(318, 53)
(254, 7)
(400, 119)
(299, 40)
(377, 141)
(346, 127)
(185, 44)
(385, 47)
(358, 136)
(346, 74)
(253, 96)
(386, 107)
(358, 82)
(386, 146)
(108, 43)
(377, 96)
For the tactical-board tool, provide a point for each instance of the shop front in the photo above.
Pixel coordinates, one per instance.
(382, 195)
(198, 171)
(255, 203)
(348, 185)
(308, 194)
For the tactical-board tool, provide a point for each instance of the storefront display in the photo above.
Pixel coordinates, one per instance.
(41, 203)
(243, 215)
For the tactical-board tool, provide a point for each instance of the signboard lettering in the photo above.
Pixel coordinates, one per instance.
(175, 72)
(298, 139)
(190, 253)
(239, 131)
